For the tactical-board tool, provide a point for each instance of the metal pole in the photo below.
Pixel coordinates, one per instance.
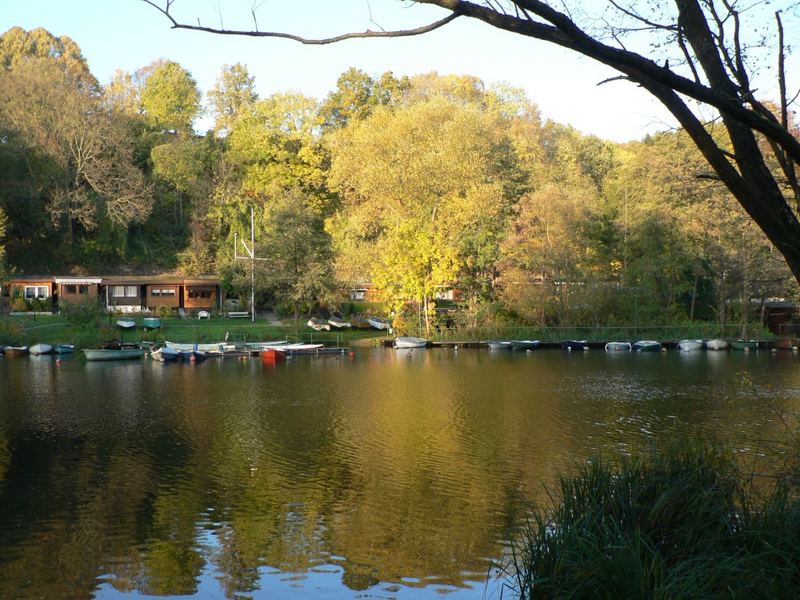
(252, 267)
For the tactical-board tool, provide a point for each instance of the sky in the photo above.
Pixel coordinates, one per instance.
(128, 34)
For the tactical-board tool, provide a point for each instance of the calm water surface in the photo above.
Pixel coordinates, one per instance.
(391, 474)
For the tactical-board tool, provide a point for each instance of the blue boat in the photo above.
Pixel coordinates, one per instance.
(151, 322)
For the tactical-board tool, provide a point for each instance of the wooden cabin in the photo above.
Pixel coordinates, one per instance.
(124, 293)
(77, 289)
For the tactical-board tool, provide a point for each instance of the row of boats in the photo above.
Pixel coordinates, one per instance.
(617, 346)
(169, 351)
(356, 321)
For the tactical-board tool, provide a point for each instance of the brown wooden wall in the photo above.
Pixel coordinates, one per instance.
(65, 293)
(200, 297)
(17, 288)
(160, 299)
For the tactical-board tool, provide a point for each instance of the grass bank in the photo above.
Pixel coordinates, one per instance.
(683, 522)
(53, 329)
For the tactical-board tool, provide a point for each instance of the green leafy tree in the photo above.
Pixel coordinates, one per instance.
(170, 98)
(232, 94)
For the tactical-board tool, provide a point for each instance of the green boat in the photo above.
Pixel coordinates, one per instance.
(64, 348)
(112, 354)
(744, 345)
(151, 322)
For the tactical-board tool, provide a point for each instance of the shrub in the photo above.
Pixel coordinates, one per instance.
(83, 313)
(12, 333)
(18, 304)
(672, 524)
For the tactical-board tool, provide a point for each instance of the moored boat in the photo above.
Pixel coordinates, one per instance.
(786, 344)
(410, 342)
(618, 347)
(64, 348)
(499, 345)
(15, 350)
(151, 322)
(319, 324)
(164, 354)
(647, 346)
(745, 345)
(525, 344)
(126, 323)
(123, 353)
(690, 345)
(572, 345)
(717, 344)
(338, 322)
(206, 347)
(359, 322)
(378, 322)
(37, 349)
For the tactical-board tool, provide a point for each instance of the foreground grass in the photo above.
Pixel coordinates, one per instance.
(57, 329)
(680, 523)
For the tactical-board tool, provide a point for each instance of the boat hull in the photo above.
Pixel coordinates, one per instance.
(499, 345)
(618, 347)
(525, 344)
(410, 342)
(15, 351)
(378, 323)
(717, 344)
(63, 348)
(107, 354)
(690, 345)
(573, 345)
(647, 346)
(37, 349)
(151, 323)
(126, 323)
(744, 345)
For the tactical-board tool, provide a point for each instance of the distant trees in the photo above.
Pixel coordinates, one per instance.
(418, 185)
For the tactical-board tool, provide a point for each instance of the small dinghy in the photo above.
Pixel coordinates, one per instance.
(690, 345)
(745, 345)
(151, 323)
(717, 344)
(125, 352)
(318, 324)
(15, 351)
(378, 322)
(339, 322)
(499, 345)
(525, 344)
(618, 347)
(647, 346)
(37, 349)
(64, 348)
(126, 323)
(573, 345)
(164, 354)
(410, 342)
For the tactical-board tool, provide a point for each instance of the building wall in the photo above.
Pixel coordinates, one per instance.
(123, 295)
(18, 287)
(77, 293)
(200, 297)
(163, 294)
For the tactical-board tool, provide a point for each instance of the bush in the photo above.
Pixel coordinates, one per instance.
(19, 305)
(83, 313)
(673, 524)
(12, 333)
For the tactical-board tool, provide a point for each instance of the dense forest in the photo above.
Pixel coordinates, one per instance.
(414, 184)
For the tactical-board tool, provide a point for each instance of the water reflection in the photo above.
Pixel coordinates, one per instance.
(402, 473)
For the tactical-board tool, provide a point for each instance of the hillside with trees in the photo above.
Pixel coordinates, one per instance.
(415, 184)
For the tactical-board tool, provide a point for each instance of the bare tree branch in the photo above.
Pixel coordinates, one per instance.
(297, 38)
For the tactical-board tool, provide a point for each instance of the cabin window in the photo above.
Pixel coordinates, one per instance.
(119, 291)
(162, 292)
(70, 289)
(83, 289)
(131, 291)
(36, 291)
(199, 293)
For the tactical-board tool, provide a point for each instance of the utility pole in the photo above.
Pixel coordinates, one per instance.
(250, 254)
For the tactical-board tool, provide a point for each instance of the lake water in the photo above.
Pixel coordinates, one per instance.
(388, 474)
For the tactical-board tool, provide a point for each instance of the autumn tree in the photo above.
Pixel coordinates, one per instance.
(170, 98)
(233, 93)
(687, 54)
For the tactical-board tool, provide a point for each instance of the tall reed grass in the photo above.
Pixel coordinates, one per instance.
(681, 522)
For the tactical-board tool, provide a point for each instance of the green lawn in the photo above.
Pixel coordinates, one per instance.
(56, 329)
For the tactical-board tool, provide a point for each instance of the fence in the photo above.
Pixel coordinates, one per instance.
(597, 334)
